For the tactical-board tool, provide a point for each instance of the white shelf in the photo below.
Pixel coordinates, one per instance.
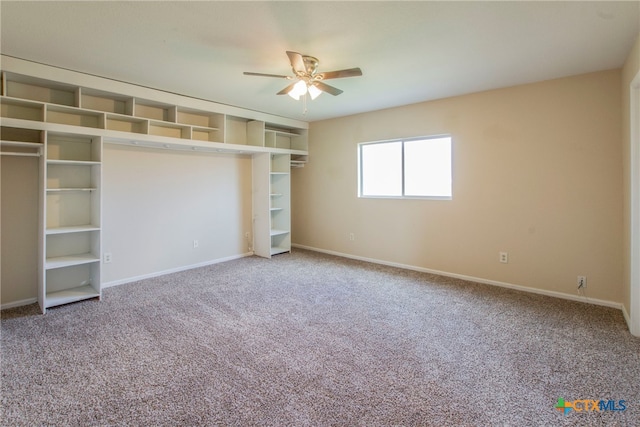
(276, 232)
(203, 128)
(278, 250)
(71, 162)
(275, 209)
(70, 295)
(67, 261)
(68, 190)
(72, 229)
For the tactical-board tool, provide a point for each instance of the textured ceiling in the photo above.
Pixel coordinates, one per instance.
(408, 51)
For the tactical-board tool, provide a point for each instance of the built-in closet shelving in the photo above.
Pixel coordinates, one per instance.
(72, 218)
(65, 118)
(147, 122)
(272, 204)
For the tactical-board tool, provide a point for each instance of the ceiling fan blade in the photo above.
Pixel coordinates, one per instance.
(326, 88)
(297, 63)
(351, 72)
(287, 89)
(247, 73)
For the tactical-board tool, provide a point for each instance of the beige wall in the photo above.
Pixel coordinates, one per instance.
(19, 230)
(157, 202)
(536, 172)
(629, 71)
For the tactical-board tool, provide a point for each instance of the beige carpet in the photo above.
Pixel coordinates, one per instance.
(308, 339)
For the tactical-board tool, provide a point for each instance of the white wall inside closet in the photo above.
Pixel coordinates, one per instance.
(157, 202)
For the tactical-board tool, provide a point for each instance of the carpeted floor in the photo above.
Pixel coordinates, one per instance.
(308, 339)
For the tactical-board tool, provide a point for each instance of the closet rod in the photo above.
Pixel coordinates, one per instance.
(5, 153)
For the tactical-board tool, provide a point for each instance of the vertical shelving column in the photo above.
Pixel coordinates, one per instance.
(72, 250)
(271, 204)
(280, 206)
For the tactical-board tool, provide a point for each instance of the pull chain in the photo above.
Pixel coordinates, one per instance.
(304, 105)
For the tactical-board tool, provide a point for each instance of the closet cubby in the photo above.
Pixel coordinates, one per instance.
(61, 177)
(170, 130)
(106, 102)
(127, 124)
(200, 119)
(255, 133)
(74, 116)
(154, 110)
(74, 148)
(205, 134)
(268, 135)
(20, 109)
(236, 130)
(64, 250)
(204, 126)
(69, 209)
(280, 164)
(284, 138)
(71, 284)
(21, 135)
(21, 142)
(35, 89)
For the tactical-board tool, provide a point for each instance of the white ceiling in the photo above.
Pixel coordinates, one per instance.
(408, 51)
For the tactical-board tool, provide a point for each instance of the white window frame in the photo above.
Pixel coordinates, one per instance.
(403, 196)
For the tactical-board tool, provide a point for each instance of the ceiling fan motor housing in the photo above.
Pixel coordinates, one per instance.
(310, 64)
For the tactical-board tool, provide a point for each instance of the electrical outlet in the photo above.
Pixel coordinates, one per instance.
(504, 257)
(107, 257)
(582, 282)
(195, 244)
(246, 235)
(352, 237)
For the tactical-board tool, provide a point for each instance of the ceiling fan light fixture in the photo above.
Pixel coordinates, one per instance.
(314, 92)
(298, 90)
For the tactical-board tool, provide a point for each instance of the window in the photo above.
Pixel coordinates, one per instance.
(419, 167)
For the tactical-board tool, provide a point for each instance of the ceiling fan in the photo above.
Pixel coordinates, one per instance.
(307, 78)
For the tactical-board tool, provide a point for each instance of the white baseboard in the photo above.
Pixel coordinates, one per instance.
(19, 303)
(137, 278)
(562, 295)
(555, 294)
(173, 270)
